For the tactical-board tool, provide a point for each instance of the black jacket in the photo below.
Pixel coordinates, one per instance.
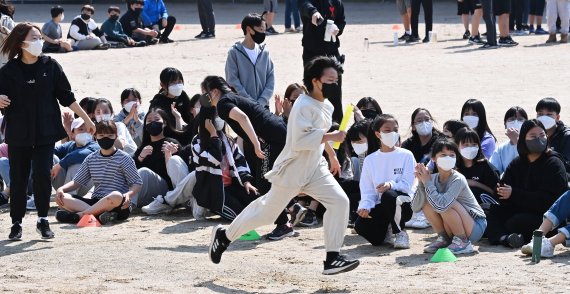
(313, 36)
(33, 117)
(130, 22)
(560, 142)
(182, 105)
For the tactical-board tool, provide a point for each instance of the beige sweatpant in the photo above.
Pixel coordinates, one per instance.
(322, 187)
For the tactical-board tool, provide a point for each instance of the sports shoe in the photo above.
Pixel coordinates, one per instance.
(280, 232)
(310, 219)
(413, 39)
(488, 45)
(157, 206)
(531, 30)
(31, 203)
(217, 245)
(458, 246)
(404, 37)
(107, 217)
(198, 212)
(15, 232)
(540, 31)
(209, 35)
(507, 42)
(466, 35)
(518, 33)
(271, 31)
(527, 249)
(418, 221)
(515, 240)
(402, 241)
(165, 41)
(153, 41)
(298, 214)
(440, 242)
(425, 40)
(140, 44)
(200, 35)
(3, 199)
(547, 249)
(340, 265)
(299, 29)
(389, 238)
(42, 227)
(64, 216)
(476, 40)
(290, 30)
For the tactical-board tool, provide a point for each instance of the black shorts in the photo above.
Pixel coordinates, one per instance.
(468, 6)
(501, 7)
(122, 214)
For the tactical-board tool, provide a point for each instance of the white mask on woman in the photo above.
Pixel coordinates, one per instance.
(219, 124)
(102, 117)
(469, 152)
(471, 120)
(176, 89)
(360, 148)
(389, 139)
(83, 138)
(424, 128)
(129, 106)
(446, 162)
(514, 125)
(34, 47)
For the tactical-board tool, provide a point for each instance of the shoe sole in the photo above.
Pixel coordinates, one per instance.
(342, 269)
(526, 250)
(300, 217)
(15, 239)
(308, 225)
(515, 241)
(401, 247)
(44, 237)
(212, 239)
(107, 217)
(463, 251)
(282, 236)
(155, 212)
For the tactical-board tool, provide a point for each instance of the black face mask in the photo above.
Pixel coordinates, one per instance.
(106, 143)
(537, 145)
(205, 101)
(138, 10)
(114, 17)
(154, 128)
(85, 16)
(258, 37)
(369, 113)
(330, 90)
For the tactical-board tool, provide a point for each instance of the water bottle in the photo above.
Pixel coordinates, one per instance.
(366, 44)
(396, 39)
(537, 245)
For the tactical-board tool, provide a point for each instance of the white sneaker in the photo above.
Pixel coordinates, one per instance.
(31, 203)
(198, 211)
(418, 221)
(389, 239)
(527, 249)
(547, 249)
(157, 206)
(402, 241)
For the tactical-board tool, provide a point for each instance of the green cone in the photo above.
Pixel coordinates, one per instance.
(250, 236)
(443, 255)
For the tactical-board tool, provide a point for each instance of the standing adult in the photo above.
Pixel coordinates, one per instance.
(207, 19)
(315, 15)
(30, 88)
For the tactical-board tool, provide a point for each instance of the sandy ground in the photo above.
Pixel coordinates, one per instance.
(169, 253)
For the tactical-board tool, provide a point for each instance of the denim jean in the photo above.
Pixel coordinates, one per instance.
(292, 9)
(559, 214)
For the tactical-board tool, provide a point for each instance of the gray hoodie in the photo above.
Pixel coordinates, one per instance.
(253, 81)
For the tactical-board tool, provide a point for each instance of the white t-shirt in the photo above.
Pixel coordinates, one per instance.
(253, 53)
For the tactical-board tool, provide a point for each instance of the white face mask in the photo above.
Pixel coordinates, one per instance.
(547, 121)
(129, 106)
(389, 139)
(62, 17)
(219, 123)
(471, 120)
(469, 152)
(360, 148)
(102, 117)
(446, 162)
(424, 128)
(514, 125)
(34, 47)
(83, 139)
(176, 89)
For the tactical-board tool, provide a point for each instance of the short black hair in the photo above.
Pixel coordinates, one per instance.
(128, 92)
(454, 125)
(56, 11)
(251, 20)
(115, 9)
(512, 112)
(444, 143)
(369, 100)
(478, 107)
(316, 67)
(89, 8)
(131, 2)
(525, 128)
(549, 104)
(107, 127)
(360, 127)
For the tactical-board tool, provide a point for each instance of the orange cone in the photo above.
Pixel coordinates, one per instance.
(178, 27)
(88, 220)
(238, 26)
(395, 27)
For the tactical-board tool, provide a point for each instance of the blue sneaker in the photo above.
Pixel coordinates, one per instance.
(531, 30)
(540, 31)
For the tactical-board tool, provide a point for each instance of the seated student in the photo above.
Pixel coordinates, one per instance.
(283, 106)
(69, 156)
(530, 185)
(132, 114)
(114, 33)
(367, 107)
(155, 17)
(385, 187)
(88, 105)
(114, 176)
(173, 99)
(506, 152)
(482, 177)
(557, 216)
(448, 203)
(52, 34)
(558, 134)
(133, 25)
(104, 111)
(84, 33)
(451, 127)
(4, 174)
(474, 115)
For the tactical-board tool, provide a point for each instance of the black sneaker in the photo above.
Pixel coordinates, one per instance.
(404, 37)
(466, 35)
(515, 240)
(140, 44)
(200, 35)
(107, 217)
(209, 35)
(165, 41)
(217, 246)
(489, 46)
(507, 42)
(15, 232)
(43, 229)
(413, 39)
(280, 232)
(426, 40)
(64, 216)
(298, 214)
(271, 31)
(340, 265)
(153, 41)
(476, 40)
(3, 199)
(310, 219)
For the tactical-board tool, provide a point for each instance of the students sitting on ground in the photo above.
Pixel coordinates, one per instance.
(104, 111)
(114, 33)
(115, 179)
(132, 114)
(506, 152)
(155, 17)
(84, 31)
(52, 33)
(133, 25)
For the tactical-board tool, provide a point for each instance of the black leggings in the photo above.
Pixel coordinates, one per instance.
(170, 22)
(489, 18)
(428, 16)
(516, 15)
(505, 220)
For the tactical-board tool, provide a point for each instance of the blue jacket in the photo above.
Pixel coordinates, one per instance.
(153, 11)
(70, 154)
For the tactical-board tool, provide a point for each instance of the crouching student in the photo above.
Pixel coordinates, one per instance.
(448, 203)
(385, 185)
(556, 217)
(69, 156)
(115, 178)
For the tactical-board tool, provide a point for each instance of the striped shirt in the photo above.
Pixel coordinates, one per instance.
(116, 172)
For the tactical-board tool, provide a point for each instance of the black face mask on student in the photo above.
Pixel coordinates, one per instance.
(154, 128)
(369, 113)
(330, 90)
(537, 145)
(138, 10)
(85, 16)
(106, 143)
(258, 37)
(114, 17)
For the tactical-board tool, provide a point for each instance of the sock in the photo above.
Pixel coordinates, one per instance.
(463, 238)
(331, 256)
(224, 238)
(40, 218)
(538, 27)
(409, 32)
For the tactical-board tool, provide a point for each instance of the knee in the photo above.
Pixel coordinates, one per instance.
(145, 172)
(171, 19)
(114, 199)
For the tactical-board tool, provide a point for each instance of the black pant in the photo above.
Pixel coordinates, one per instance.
(170, 22)
(537, 7)
(206, 14)
(118, 40)
(489, 18)
(503, 220)
(352, 190)
(374, 229)
(428, 16)
(517, 15)
(40, 160)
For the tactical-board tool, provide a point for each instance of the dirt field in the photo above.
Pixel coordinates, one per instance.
(169, 253)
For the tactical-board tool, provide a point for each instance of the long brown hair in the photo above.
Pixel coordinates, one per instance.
(12, 45)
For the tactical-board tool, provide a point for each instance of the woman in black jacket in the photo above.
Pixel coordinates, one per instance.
(31, 89)
(530, 185)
